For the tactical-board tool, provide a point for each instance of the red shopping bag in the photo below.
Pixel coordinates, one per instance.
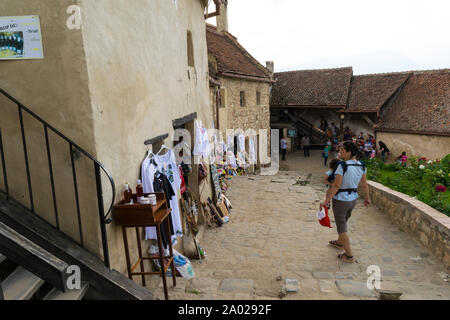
(324, 220)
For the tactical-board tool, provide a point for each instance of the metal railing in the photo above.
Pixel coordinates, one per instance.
(104, 218)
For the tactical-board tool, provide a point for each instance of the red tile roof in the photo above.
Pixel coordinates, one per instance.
(324, 87)
(232, 59)
(423, 105)
(368, 93)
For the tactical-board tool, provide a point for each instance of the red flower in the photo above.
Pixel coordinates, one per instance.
(440, 188)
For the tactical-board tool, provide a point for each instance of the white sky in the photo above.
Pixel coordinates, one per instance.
(371, 36)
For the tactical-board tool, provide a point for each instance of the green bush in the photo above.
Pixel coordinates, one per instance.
(418, 179)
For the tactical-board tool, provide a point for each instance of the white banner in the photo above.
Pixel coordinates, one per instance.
(20, 38)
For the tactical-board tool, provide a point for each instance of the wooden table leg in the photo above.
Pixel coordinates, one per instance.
(174, 274)
(127, 252)
(138, 238)
(161, 261)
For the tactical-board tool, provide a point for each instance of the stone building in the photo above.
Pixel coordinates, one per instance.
(417, 121)
(240, 86)
(407, 110)
(302, 98)
(129, 74)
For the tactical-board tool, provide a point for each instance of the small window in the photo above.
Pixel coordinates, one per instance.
(242, 93)
(190, 50)
(258, 98)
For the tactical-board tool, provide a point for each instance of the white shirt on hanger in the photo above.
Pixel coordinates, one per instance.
(165, 164)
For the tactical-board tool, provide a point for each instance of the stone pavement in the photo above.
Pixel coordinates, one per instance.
(274, 234)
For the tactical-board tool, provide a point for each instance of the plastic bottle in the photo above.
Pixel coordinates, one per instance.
(128, 195)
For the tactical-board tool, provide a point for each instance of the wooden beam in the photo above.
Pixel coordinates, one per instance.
(177, 123)
(109, 284)
(156, 139)
(366, 117)
(33, 258)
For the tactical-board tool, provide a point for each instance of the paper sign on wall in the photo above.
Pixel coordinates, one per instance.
(20, 38)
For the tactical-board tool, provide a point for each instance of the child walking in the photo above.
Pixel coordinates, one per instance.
(326, 152)
(402, 159)
(329, 176)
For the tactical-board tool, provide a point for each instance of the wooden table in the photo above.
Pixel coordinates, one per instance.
(139, 215)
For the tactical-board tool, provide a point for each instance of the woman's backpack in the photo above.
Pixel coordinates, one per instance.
(345, 166)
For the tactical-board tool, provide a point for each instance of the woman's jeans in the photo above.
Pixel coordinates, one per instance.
(283, 152)
(306, 151)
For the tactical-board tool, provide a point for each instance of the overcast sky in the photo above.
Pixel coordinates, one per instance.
(371, 36)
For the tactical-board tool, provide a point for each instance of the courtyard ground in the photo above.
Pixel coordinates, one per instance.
(274, 234)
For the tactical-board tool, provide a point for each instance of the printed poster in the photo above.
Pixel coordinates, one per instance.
(20, 38)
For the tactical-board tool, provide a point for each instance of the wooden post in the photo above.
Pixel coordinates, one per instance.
(138, 238)
(127, 252)
(161, 260)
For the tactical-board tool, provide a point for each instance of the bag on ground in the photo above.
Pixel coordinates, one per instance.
(183, 265)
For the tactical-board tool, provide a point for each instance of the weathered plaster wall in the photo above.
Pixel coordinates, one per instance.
(56, 89)
(139, 81)
(118, 81)
(432, 147)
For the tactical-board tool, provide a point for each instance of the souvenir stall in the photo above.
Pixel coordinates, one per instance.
(165, 179)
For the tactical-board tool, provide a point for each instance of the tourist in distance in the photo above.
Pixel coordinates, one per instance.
(283, 145)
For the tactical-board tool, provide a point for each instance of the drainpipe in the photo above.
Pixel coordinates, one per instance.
(217, 106)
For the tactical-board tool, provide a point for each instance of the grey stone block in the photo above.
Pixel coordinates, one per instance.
(343, 275)
(389, 273)
(322, 275)
(354, 288)
(237, 285)
(292, 285)
(202, 285)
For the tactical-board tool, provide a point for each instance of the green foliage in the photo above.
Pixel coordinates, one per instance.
(419, 179)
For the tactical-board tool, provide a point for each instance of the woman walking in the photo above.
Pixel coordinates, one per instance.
(348, 175)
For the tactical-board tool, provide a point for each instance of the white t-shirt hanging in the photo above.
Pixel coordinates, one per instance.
(206, 146)
(167, 165)
(198, 148)
(252, 151)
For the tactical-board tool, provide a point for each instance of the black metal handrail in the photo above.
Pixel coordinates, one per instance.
(104, 218)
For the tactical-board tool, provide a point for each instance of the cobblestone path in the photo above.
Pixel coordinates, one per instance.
(274, 233)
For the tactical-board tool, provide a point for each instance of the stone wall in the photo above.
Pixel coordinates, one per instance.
(429, 226)
(250, 116)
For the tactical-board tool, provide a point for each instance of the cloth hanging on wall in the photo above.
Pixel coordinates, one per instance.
(202, 146)
(165, 164)
(252, 151)
(241, 150)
